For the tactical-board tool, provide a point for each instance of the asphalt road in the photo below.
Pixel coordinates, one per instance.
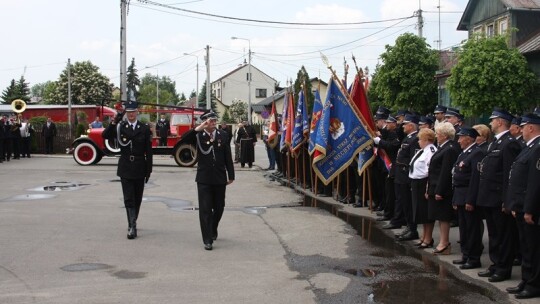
(63, 240)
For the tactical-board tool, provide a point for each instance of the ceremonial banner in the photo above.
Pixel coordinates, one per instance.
(358, 95)
(274, 127)
(301, 126)
(341, 135)
(284, 116)
(317, 111)
(289, 121)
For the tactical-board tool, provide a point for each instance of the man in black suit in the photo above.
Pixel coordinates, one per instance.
(215, 171)
(135, 163)
(492, 193)
(523, 189)
(163, 129)
(471, 227)
(49, 132)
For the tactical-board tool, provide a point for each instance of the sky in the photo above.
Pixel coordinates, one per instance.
(39, 36)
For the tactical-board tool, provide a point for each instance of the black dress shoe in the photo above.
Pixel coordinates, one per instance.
(132, 233)
(498, 278)
(460, 261)
(486, 273)
(412, 235)
(391, 226)
(380, 213)
(382, 218)
(517, 289)
(516, 262)
(402, 233)
(470, 265)
(527, 294)
(214, 237)
(208, 246)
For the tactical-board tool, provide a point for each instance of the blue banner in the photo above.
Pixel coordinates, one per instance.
(340, 136)
(317, 112)
(301, 125)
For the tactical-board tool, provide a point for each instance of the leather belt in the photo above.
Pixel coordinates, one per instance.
(134, 158)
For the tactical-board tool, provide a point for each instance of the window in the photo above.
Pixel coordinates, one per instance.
(247, 77)
(218, 93)
(260, 93)
(503, 26)
(490, 30)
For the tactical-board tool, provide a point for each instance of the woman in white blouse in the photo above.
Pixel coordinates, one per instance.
(418, 173)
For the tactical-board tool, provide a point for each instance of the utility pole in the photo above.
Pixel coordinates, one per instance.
(123, 77)
(208, 96)
(69, 98)
(420, 23)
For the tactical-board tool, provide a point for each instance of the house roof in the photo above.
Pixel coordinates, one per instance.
(510, 4)
(240, 67)
(530, 45)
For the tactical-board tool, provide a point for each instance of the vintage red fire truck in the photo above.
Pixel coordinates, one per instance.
(90, 148)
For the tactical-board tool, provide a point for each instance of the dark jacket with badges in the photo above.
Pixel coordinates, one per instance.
(135, 149)
(163, 128)
(215, 166)
(531, 204)
(440, 170)
(408, 148)
(520, 181)
(495, 169)
(465, 176)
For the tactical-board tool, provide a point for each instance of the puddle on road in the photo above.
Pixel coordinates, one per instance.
(85, 267)
(28, 197)
(173, 204)
(60, 186)
(424, 279)
(129, 275)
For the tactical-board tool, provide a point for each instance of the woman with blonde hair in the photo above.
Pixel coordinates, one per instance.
(439, 190)
(418, 173)
(484, 136)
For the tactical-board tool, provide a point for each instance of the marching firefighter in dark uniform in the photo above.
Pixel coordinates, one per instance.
(135, 163)
(492, 193)
(465, 182)
(215, 171)
(163, 129)
(523, 199)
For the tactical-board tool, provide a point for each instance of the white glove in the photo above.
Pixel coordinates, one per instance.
(377, 140)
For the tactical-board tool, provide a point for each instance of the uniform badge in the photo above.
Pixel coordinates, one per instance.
(207, 142)
(461, 164)
(124, 139)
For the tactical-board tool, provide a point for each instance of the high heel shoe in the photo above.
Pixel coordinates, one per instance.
(426, 245)
(418, 244)
(444, 251)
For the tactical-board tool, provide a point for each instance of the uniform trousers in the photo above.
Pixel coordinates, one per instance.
(509, 242)
(532, 234)
(404, 202)
(471, 230)
(211, 206)
(526, 252)
(492, 216)
(133, 192)
(390, 198)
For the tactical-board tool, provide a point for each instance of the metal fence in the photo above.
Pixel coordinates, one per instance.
(62, 141)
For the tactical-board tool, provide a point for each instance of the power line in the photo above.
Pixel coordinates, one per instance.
(266, 21)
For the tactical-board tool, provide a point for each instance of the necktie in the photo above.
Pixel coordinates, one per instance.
(132, 126)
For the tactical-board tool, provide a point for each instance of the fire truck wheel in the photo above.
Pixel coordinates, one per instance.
(85, 154)
(185, 155)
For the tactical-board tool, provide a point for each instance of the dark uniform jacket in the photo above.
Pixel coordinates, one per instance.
(408, 148)
(136, 156)
(495, 169)
(390, 144)
(531, 204)
(440, 170)
(48, 131)
(215, 165)
(465, 174)
(163, 128)
(520, 177)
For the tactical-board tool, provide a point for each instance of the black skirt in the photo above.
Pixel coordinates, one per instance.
(440, 210)
(419, 201)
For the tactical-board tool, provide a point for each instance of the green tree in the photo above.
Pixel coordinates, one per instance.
(302, 80)
(201, 103)
(48, 92)
(17, 90)
(88, 85)
(227, 117)
(192, 94)
(405, 78)
(238, 111)
(167, 90)
(490, 74)
(133, 81)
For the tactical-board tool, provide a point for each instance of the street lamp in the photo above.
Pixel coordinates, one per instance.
(249, 75)
(197, 88)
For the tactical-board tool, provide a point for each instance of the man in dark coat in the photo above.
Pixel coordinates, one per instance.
(163, 129)
(215, 171)
(471, 227)
(2, 136)
(492, 193)
(49, 132)
(522, 187)
(135, 163)
(247, 138)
